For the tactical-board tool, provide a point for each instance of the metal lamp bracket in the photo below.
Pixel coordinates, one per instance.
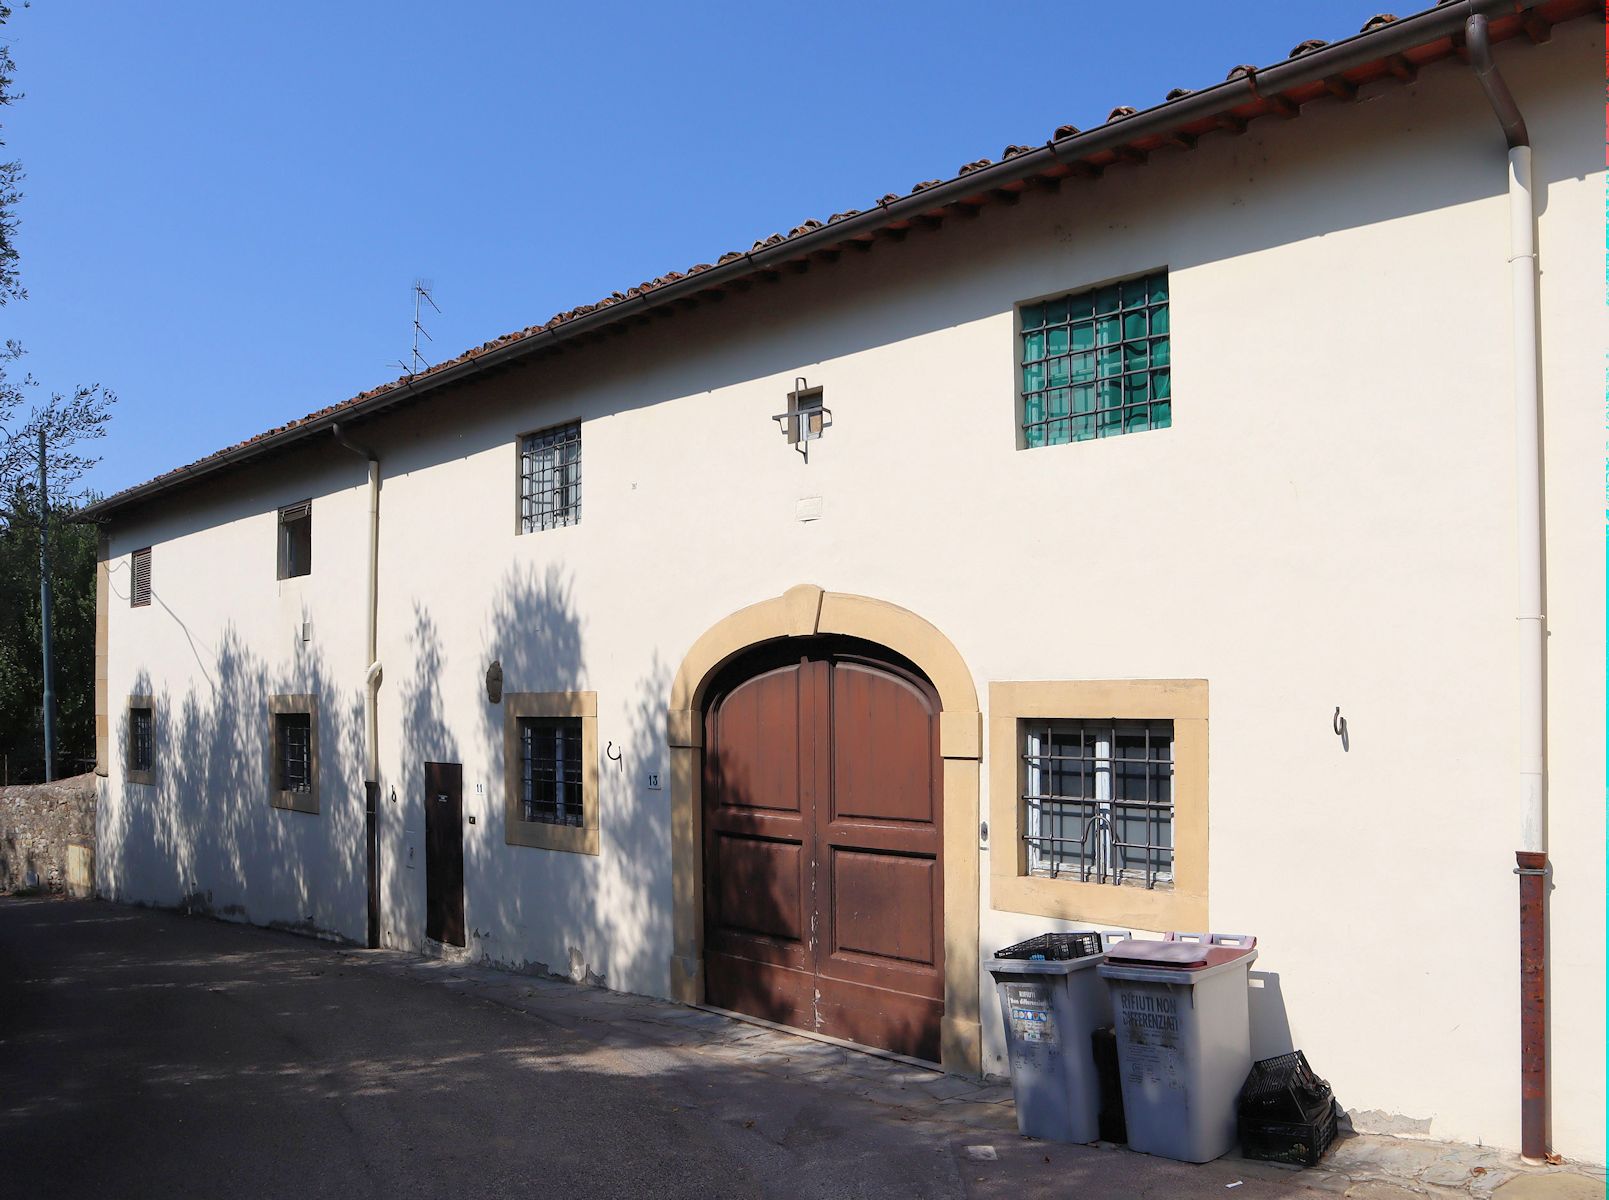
(801, 426)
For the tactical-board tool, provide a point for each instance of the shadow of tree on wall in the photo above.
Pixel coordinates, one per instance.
(426, 738)
(204, 835)
(206, 838)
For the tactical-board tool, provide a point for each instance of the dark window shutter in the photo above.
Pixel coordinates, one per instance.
(140, 592)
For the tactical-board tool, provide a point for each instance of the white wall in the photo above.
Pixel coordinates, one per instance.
(1328, 522)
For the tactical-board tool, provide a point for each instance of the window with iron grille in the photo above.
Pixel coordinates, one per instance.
(140, 573)
(1096, 363)
(1098, 800)
(293, 751)
(550, 478)
(296, 540)
(550, 770)
(140, 750)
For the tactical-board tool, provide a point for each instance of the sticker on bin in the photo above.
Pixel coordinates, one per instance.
(1028, 1011)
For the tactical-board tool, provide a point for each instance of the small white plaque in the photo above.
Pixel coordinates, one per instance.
(653, 782)
(807, 508)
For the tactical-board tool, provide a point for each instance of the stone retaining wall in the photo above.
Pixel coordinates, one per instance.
(37, 824)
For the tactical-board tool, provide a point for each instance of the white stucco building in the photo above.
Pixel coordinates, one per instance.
(1148, 450)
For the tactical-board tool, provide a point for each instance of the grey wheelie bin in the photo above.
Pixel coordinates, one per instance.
(1183, 1039)
(1052, 1000)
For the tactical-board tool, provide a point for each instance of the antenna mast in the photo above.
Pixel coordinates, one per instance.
(421, 297)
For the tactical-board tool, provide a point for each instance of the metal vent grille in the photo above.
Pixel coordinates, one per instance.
(140, 591)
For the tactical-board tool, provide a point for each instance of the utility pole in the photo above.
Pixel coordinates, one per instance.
(44, 613)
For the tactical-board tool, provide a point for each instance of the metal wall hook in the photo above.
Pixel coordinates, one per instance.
(1339, 724)
(614, 755)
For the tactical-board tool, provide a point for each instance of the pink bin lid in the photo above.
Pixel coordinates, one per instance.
(1179, 955)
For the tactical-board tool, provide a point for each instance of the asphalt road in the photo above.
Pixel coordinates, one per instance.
(149, 1054)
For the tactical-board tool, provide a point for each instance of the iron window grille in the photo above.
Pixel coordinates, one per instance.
(296, 540)
(550, 770)
(1098, 800)
(550, 478)
(1097, 363)
(294, 752)
(140, 573)
(140, 745)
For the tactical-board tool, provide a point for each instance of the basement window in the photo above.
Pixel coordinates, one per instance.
(1096, 363)
(140, 574)
(550, 478)
(296, 540)
(293, 752)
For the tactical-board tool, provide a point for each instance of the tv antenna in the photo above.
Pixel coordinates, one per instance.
(421, 297)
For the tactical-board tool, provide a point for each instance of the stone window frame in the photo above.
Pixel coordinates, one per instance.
(146, 777)
(1013, 889)
(539, 835)
(283, 705)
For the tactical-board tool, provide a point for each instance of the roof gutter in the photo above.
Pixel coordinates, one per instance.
(1444, 21)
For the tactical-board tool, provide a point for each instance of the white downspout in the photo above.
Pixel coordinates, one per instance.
(371, 694)
(1528, 484)
(1531, 858)
(372, 677)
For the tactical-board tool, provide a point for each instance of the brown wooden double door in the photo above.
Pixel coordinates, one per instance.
(823, 840)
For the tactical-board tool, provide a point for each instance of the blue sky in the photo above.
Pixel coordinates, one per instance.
(227, 203)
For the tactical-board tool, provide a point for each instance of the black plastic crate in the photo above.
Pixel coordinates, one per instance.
(1055, 947)
(1299, 1143)
(1284, 1089)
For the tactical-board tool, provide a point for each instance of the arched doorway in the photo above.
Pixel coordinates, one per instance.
(905, 641)
(823, 843)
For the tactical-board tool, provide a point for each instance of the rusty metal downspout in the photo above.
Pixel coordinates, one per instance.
(1531, 858)
(371, 693)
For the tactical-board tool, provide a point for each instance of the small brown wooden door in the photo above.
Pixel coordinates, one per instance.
(444, 852)
(824, 890)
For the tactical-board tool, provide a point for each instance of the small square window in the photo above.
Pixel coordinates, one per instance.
(140, 573)
(550, 478)
(296, 540)
(550, 771)
(1122, 387)
(1098, 800)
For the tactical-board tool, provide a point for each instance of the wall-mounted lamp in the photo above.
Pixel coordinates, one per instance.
(807, 417)
(494, 682)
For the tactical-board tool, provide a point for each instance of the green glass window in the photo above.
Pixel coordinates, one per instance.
(1096, 363)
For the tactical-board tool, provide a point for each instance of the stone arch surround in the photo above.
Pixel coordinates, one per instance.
(805, 611)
